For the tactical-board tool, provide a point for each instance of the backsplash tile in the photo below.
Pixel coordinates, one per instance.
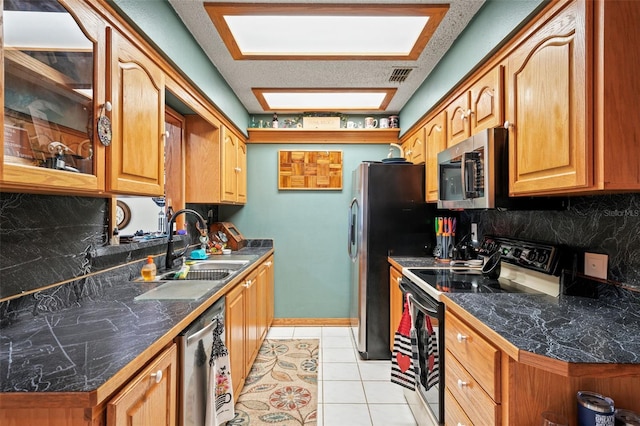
(608, 224)
(48, 239)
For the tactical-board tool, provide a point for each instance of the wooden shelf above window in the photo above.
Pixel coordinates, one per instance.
(343, 136)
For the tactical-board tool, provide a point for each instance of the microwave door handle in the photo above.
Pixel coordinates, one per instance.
(463, 174)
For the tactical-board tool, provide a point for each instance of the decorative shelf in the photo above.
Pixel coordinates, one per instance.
(345, 136)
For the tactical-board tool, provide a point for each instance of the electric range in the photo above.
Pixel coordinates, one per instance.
(526, 267)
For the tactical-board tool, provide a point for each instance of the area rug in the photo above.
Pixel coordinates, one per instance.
(282, 386)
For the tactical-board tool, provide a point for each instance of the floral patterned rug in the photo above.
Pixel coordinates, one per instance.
(282, 386)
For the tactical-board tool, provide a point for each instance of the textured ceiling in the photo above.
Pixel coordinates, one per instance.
(243, 75)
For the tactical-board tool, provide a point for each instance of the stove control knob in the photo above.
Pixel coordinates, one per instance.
(531, 255)
(543, 257)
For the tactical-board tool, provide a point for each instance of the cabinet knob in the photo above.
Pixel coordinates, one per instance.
(462, 384)
(469, 112)
(460, 424)
(248, 283)
(461, 337)
(238, 169)
(399, 280)
(107, 106)
(268, 264)
(508, 124)
(157, 375)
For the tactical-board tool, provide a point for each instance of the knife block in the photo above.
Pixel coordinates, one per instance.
(235, 240)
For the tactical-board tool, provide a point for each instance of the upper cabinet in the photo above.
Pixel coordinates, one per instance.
(50, 97)
(234, 168)
(203, 164)
(414, 147)
(135, 158)
(478, 107)
(570, 82)
(436, 140)
(550, 148)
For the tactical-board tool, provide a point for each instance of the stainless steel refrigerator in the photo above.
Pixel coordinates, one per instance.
(387, 215)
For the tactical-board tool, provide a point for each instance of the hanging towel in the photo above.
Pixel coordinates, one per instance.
(402, 361)
(434, 356)
(428, 369)
(220, 392)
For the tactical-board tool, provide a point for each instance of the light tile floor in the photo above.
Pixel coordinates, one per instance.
(351, 391)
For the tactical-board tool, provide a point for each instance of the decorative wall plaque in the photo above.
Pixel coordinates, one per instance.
(309, 169)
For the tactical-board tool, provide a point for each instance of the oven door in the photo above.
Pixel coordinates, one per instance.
(428, 319)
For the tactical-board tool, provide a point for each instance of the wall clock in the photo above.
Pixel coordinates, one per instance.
(123, 214)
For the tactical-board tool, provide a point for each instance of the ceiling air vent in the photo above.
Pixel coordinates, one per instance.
(399, 75)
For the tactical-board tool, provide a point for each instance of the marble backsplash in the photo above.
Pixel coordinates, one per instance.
(47, 239)
(607, 224)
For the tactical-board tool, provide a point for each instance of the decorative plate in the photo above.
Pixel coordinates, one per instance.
(104, 130)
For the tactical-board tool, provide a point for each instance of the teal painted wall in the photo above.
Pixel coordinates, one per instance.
(492, 25)
(309, 229)
(158, 20)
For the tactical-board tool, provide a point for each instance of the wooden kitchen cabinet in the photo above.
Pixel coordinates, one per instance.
(436, 141)
(235, 336)
(479, 107)
(396, 303)
(234, 168)
(414, 147)
(472, 372)
(48, 125)
(202, 160)
(248, 306)
(150, 397)
(135, 158)
(491, 381)
(565, 136)
(265, 297)
(550, 148)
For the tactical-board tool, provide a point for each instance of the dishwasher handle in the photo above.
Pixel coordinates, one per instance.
(203, 332)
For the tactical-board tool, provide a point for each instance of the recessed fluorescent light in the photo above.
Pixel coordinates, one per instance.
(326, 35)
(325, 31)
(323, 99)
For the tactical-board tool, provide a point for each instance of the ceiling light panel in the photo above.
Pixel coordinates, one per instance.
(323, 99)
(325, 31)
(309, 35)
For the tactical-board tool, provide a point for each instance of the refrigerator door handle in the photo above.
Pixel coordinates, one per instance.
(353, 207)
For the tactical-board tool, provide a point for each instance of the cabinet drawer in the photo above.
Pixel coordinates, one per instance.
(477, 404)
(478, 356)
(454, 415)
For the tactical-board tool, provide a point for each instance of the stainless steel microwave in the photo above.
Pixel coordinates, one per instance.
(473, 174)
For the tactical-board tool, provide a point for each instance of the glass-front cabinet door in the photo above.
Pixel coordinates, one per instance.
(52, 100)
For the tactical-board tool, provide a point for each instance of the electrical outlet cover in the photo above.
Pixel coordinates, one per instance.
(595, 265)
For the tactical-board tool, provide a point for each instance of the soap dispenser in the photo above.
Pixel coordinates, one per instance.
(149, 270)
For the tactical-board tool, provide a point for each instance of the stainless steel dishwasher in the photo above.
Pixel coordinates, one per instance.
(194, 345)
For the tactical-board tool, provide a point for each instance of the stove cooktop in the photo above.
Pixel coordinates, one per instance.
(527, 267)
(450, 280)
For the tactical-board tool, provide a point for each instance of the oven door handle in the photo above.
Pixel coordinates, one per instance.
(430, 311)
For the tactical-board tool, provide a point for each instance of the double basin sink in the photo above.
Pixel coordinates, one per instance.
(202, 277)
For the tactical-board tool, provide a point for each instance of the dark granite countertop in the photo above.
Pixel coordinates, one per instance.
(70, 342)
(566, 328)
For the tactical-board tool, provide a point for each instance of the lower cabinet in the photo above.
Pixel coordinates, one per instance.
(472, 374)
(396, 303)
(249, 313)
(150, 397)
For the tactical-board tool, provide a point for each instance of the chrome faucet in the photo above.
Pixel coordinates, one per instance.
(171, 256)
